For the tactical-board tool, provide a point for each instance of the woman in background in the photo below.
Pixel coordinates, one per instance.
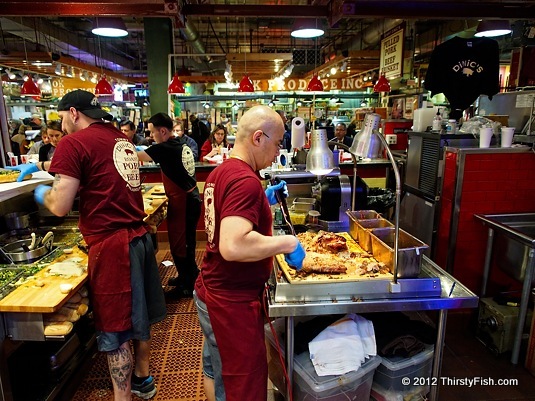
(215, 142)
(55, 133)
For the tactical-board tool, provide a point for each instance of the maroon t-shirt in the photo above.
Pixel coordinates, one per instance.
(233, 189)
(106, 163)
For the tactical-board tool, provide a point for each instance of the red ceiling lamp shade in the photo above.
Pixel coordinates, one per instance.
(315, 84)
(382, 84)
(246, 85)
(30, 88)
(103, 87)
(175, 86)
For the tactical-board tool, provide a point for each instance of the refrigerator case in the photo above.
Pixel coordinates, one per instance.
(423, 183)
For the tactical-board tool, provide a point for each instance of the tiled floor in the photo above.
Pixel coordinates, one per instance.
(176, 361)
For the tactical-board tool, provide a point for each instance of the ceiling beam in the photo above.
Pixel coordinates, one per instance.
(254, 10)
(79, 8)
(16, 61)
(438, 9)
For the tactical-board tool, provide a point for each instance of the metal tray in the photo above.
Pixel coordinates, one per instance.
(303, 205)
(360, 230)
(410, 250)
(363, 215)
(8, 277)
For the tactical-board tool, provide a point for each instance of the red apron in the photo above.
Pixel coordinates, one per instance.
(238, 324)
(109, 278)
(176, 217)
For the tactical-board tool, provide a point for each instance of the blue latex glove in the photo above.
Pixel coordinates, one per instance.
(139, 148)
(40, 192)
(295, 258)
(24, 169)
(271, 190)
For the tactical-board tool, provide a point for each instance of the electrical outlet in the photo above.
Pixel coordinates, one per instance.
(391, 139)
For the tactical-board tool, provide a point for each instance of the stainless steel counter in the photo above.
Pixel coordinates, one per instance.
(516, 232)
(453, 295)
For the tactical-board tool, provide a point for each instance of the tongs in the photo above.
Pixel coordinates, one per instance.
(279, 194)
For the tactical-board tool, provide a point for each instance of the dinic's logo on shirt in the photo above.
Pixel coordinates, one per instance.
(127, 163)
(468, 67)
(188, 160)
(209, 213)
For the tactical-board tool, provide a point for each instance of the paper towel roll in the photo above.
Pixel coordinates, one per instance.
(298, 133)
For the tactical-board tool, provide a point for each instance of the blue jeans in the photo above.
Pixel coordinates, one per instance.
(211, 360)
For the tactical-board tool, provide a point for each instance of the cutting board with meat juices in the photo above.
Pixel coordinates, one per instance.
(354, 267)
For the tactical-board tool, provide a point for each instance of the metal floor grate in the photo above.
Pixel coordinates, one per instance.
(175, 353)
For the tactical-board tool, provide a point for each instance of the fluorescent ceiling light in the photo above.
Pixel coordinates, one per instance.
(42, 63)
(492, 28)
(110, 27)
(306, 28)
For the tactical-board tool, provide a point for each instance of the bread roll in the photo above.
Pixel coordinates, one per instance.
(82, 309)
(58, 328)
(75, 299)
(83, 292)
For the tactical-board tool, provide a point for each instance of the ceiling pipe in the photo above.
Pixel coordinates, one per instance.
(191, 35)
(370, 36)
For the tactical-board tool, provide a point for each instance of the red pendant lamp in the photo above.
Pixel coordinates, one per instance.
(30, 88)
(175, 86)
(315, 84)
(103, 87)
(246, 85)
(382, 84)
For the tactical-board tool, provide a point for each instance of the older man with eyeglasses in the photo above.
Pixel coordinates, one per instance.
(238, 261)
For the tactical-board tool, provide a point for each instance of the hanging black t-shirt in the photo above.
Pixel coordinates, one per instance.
(176, 161)
(463, 69)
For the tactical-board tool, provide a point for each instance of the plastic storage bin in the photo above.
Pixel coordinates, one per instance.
(416, 393)
(391, 371)
(308, 386)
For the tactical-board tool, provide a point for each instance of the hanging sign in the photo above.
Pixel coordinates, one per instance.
(392, 52)
(292, 84)
(61, 86)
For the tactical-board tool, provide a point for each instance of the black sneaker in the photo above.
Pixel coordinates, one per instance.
(180, 292)
(145, 390)
(174, 282)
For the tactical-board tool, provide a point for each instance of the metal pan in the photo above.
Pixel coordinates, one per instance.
(16, 252)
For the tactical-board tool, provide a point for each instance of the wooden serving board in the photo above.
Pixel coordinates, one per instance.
(293, 278)
(30, 298)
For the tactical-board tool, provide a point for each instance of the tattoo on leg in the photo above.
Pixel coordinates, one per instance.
(120, 365)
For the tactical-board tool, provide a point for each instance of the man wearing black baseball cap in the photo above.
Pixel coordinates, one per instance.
(98, 162)
(85, 102)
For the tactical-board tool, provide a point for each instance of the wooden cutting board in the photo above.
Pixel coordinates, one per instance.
(28, 297)
(290, 273)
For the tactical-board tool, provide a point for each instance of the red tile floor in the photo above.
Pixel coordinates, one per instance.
(176, 361)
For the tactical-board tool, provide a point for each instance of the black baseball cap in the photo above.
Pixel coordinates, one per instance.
(85, 102)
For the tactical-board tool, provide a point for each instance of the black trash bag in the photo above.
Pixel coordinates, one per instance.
(381, 199)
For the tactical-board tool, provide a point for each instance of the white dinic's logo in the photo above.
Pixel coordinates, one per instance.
(127, 163)
(209, 213)
(188, 160)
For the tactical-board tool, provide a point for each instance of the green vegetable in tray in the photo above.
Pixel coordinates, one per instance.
(7, 275)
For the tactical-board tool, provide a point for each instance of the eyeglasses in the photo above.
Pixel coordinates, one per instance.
(280, 144)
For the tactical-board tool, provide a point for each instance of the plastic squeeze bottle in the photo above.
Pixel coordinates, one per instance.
(437, 122)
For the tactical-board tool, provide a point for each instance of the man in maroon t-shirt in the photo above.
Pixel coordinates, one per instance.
(100, 163)
(238, 262)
